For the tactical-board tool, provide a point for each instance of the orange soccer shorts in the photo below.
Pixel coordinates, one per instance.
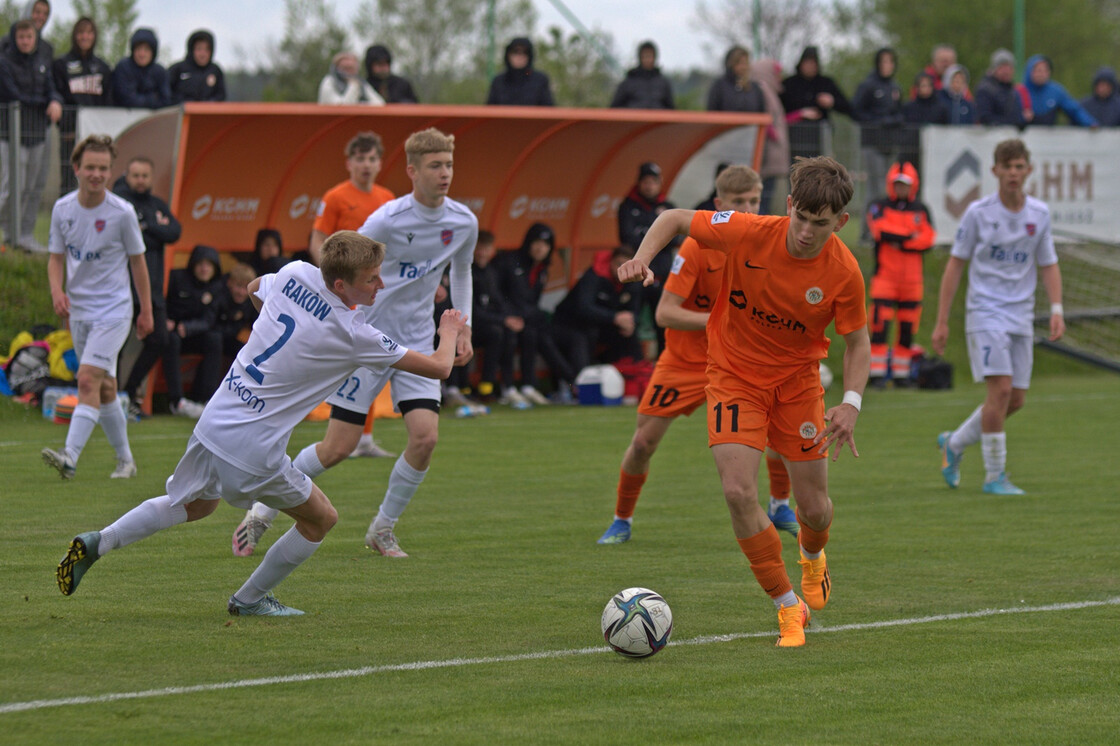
(787, 417)
(674, 390)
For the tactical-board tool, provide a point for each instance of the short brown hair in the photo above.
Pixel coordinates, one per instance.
(817, 183)
(242, 274)
(427, 141)
(1010, 150)
(24, 24)
(94, 144)
(736, 180)
(363, 142)
(345, 253)
(140, 159)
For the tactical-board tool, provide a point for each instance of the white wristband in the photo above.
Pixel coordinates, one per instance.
(851, 397)
(1056, 309)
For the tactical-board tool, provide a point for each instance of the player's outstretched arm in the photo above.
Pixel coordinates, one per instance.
(1051, 278)
(672, 314)
(950, 281)
(840, 421)
(668, 224)
(437, 365)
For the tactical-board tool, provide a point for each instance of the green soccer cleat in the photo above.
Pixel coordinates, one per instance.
(81, 554)
(267, 606)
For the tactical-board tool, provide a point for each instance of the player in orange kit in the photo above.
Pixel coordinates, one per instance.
(786, 279)
(901, 228)
(677, 386)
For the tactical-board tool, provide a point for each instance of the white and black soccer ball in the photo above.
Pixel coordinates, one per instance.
(826, 376)
(637, 622)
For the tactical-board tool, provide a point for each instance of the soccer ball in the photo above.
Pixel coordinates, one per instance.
(637, 623)
(826, 376)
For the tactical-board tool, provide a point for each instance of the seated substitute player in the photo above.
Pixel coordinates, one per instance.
(305, 342)
(677, 386)
(423, 232)
(785, 280)
(1005, 239)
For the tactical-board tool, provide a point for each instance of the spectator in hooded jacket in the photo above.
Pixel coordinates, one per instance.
(25, 77)
(808, 98)
(1049, 96)
(520, 84)
(196, 77)
(997, 100)
(268, 252)
(877, 106)
(1104, 103)
(734, 90)
(393, 88)
(926, 107)
(139, 82)
(192, 319)
(644, 87)
(158, 227)
(954, 92)
(80, 76)
(343, 83)
(38, 12)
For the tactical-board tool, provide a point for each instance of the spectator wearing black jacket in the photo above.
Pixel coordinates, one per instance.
(636, 214)
(236, 312)
(192, 319)
(598, 318)
(196, 77)
(393, 88)
(809, 98)
(38, 12)
(494, 325)
(1104, 102)
(268, 252)
(926, 107)
(644, 87)
(997, 100)
(81, 79)
(139, 82)
(524, 277)
(734, 90)
(877, 106)
(520, 84)
(158, 227)
(25, 77)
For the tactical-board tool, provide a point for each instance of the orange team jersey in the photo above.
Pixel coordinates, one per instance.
(696, 276)
(770, 318)
(345, 207)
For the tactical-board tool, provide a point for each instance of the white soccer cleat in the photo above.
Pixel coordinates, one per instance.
(124, 470)
(370, 449)
(187, 408)
(533, 396)
(384, 542)
(248, 534)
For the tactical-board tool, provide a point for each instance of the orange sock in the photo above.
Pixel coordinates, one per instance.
(779, 478)
(810, 539)
(629, 489)
(367, 429)
(764, 550)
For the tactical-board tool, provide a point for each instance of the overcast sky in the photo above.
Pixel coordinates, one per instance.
(252, 23)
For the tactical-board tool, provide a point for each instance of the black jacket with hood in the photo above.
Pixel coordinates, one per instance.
(393, 88)
(192, 303)
(26, 78)
(800, 92)
(189, 82)
(524, 87)
(141, 87)
(156, 235)
(523, 280)
(83, 80)
(643, 89)
(878, 100)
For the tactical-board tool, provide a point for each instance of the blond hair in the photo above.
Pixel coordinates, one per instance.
(241, 274)
(93, 144)
(345, 253)
(817, 183)
(736, 180)
(427, 141)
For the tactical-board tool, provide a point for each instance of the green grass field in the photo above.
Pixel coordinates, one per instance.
(947, 621)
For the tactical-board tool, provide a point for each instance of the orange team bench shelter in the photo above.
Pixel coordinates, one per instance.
(229, 169)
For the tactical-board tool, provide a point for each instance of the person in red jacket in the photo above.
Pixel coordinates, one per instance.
(901, 228)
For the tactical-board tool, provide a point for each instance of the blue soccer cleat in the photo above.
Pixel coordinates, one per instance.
(267, 606)
(785, 519)
(617, 533)
(1001, 485)
(950, 461)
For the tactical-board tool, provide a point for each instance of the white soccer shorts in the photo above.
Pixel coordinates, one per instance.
(202, 475)
(992, 353)
(98, 343)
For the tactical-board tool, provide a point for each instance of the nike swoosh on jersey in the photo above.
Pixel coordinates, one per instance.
(806, 449)
(748, 265)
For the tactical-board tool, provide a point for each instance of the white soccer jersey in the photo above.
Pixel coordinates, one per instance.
(419, 243)
(305, 342)
(1004, 250)
(97, 243)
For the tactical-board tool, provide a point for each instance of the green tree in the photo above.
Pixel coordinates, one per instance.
(9, 14)
(1078, 35)
(436, 43)
(312, 35)
(580, 76)
(115, 19)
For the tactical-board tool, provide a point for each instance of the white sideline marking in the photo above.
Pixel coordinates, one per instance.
(352, 673)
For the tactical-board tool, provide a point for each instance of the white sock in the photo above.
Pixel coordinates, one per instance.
(775, 503)
(366, 439)
(264, 513)
(82, 423)
(629, 520)
(115, 426)
(994, 447)
(403, 483)
(789, 598)
(285, 555)
(141, 522)
(967, 433)
(808, 555)
(308, 462)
